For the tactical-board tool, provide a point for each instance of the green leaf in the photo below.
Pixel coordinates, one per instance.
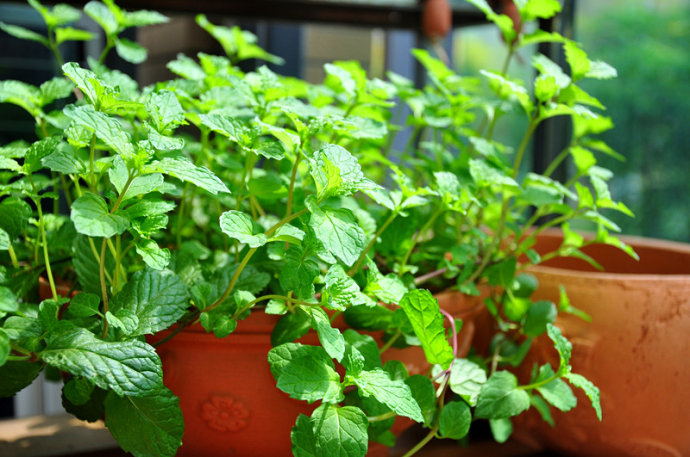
(455, 419)
(63, 34)
(347, 82)
(8, 302)
(364, 345)
(146, 426)
(467, 379)
(589, 388)
(125, 320)
(86, 263)
(5, 242)
(85, 80)
(423, 393)
(78, 390)
(501, 429)
(538, 316)
(84, 304)
(106, 128)
(561, 344)
(228, 127)
(185, 170)
(340, 290)
(299, 273)
(91, 217)
(340, 431)
(64, 161)
(556, 392)
(306, 374)
(14, 216)
(127, 367)
(165, 110)
(37, 151)
(142, 18)
(337, 229)
(4, 347)
(103, 16)
(548, 67)
(157, 297)
(23, 33)
(393, 393)
(130, 51)
(20, 94)
(302, 436)
(336, 172)
(500, 397)
(423, 312)
(240, 226)
(331, 339)
(186, 67)
(152, 254)
(290, 327)
(601, 70)
(544, 9)
(15, 375)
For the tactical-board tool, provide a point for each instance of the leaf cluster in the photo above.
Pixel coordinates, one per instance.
(285, 197)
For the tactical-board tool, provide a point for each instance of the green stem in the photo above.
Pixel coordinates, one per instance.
(269, 297)
(390, 342)
(92, 165)
(523, 145)
(248, 257)
(13, 256)
(293, 177)
(416, 236)
(109, 45)
(44, 242)
(538, 384)
(382, 417)
(429, 436)
(371, 244)
(104, 288)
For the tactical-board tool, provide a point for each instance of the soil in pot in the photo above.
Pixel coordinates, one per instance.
(633, 350)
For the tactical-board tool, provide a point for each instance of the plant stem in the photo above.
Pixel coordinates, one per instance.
(523, 145)
(371, 244)
(291, 190)
(423, 442)
(390, 342)
(416, 236)
(248, 257)
(92, 165)
(382, 417)
(13, 256)
(428, 276)
(104, 288)
(44, 242)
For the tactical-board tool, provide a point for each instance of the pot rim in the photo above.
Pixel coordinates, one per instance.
(635, 242)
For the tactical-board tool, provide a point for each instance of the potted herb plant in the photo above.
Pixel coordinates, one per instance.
(225, 205)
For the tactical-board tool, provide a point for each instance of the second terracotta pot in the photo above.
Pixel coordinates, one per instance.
(634, 350)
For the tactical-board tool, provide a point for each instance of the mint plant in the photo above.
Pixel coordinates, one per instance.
(286, 198)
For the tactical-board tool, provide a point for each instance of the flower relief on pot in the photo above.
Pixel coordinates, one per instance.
(281, 222)
(225, 413)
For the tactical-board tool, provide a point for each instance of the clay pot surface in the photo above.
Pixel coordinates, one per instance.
(228, 396)
(634, 350)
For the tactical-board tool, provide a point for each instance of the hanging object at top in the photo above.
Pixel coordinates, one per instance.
(437, 19)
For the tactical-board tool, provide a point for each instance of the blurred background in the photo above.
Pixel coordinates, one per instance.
(647, 41)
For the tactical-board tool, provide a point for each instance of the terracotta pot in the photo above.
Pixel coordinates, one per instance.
(634, 350)
(228, 395)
